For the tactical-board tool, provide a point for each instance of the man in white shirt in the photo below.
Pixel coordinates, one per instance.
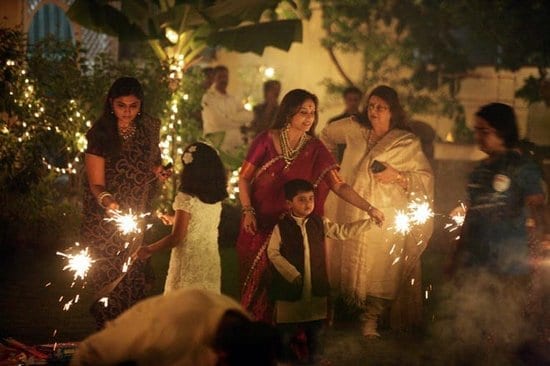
(223, 112)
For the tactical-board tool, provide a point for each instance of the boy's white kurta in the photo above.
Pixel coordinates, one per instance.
(172, 329)
(309, 307)
(381, 261)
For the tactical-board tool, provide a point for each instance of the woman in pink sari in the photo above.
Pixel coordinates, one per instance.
(288, 151)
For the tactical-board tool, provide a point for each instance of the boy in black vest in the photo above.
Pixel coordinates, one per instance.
(299, 284)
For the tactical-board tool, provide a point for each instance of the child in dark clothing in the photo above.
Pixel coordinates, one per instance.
(300, 285)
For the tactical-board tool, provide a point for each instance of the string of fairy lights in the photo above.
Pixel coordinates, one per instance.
(25, 97)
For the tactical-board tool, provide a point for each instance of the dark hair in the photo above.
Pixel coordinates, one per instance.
(503, 119)
(351, 90)
(203, 175)
(269, 84)
(105, 128)
(295, 186)
(245, 342)
(290, 105)
(389, 95)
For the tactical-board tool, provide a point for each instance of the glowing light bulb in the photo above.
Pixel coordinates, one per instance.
(171, 35)
(269, 72)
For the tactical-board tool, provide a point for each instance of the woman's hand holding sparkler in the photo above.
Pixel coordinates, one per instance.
(107, 201)
(376, 215)
(162, 173)
(457, 212)
(112, 209)
(166, 218)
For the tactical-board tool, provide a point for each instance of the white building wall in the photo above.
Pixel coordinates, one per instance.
(307, 64)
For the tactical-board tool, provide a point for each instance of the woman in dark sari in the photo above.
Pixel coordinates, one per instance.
(288, 151)
(122, 167)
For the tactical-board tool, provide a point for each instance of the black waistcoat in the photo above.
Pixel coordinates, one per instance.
(292, 248)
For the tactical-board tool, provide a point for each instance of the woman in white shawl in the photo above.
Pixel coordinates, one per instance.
(384, 163)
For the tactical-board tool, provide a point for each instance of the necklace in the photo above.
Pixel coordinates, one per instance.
(289, 154)
(127, 132)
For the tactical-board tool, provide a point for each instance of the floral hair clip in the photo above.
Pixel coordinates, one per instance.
(187, 157)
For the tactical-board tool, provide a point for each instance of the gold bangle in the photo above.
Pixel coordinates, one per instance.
(248, 209)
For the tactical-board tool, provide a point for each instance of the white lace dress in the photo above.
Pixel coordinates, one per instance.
(195, 262)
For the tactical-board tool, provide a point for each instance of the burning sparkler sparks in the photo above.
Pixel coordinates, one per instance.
(457, 217)
(79, 263)
(127, 223)
(104, 301)
(417, 213)
(402, 222)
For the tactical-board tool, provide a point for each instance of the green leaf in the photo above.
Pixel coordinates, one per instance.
(232, 13)
(255, 37)
(103, 18)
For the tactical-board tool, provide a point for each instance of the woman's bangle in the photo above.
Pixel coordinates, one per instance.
(248, 209)
(101, 196)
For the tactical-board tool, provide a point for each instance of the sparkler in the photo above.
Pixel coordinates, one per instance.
(457, 216)
(79, 263)
(402, 222)
(127, 223)
(417, 213)
(105, 301)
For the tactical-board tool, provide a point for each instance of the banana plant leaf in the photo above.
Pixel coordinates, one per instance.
(255, 37)
(101, 17)
(142, 20)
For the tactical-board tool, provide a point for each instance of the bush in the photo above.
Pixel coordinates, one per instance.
(49, 99)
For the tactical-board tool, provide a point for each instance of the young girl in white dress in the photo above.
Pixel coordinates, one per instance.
(195, 259)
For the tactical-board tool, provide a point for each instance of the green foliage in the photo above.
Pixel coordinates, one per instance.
(47, 214)
(530, 91)
(389, 51)
(462, 134)
(50, 98)
(12, 53)
(518, 32)
(197, 24)
(439, 42)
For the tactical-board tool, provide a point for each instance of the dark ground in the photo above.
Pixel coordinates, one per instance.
(31, 312)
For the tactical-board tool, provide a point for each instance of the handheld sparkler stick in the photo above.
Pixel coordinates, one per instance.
(165, 168)
(127, 224)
